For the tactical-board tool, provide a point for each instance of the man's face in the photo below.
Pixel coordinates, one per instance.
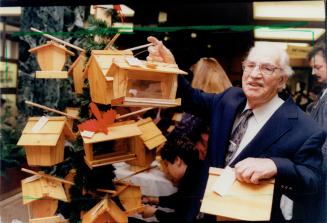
(319, 70)
(260, 85)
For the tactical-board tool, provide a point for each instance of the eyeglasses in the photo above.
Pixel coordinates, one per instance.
(264, 68)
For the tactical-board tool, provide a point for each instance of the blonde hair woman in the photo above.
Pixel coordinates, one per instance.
(209, 76)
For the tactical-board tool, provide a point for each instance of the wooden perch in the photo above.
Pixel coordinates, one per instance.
(58, 40)
(139, 47)
(47, 176)
(133, 174)
(135, 112)
(50, 109)
(112, 41)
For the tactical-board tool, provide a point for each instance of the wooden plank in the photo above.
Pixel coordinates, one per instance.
(52, 74)
(53, 219)
(115, 132)
(47, 176)
(149, 102)
(155, 142)
(248, 202)
(38, 139)
(109, 160)
(51, 127)
(149, 130)
(161, 67)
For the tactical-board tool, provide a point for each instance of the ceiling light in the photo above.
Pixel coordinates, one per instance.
(193, 35)
(305, 34)
(162, 18)
(290, 10)
(10, 11)
(282, 45)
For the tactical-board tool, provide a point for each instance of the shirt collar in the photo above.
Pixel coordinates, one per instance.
(265, 111)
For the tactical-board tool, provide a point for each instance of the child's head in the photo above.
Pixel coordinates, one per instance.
(177, 154)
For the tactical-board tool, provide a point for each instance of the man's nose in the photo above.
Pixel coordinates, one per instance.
(313, 72)
(256, 71)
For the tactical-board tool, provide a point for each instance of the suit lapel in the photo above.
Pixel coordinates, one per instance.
(320, 103)
(275, 127)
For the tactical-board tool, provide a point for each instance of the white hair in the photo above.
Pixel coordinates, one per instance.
(283, 59)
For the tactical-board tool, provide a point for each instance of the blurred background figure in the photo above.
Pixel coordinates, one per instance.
(209, 76)
(317, 59)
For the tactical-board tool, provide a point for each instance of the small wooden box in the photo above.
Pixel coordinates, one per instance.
(249, 202)
(51, 58)
(147, 142)
(105, 211)
(41, 196)
(45, 147)
(125, 137)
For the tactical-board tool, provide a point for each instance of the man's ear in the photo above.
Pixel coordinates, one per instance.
(282, 82)
(178, 161)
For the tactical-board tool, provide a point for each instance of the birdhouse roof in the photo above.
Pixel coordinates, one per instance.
(123, 63)
(151, 134)
(106, 206)
(50, 44)
(48, 135)
(35, 188)
(104, 58)
(114, 133)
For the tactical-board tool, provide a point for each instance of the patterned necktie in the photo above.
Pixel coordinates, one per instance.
(238, 134)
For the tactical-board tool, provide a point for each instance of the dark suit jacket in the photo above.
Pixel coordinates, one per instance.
(290, 138)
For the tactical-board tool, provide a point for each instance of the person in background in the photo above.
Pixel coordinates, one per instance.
(209, 76)
(182, 166)
(256, 132)
(317, 58)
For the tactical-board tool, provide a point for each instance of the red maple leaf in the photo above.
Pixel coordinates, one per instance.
(102, 121)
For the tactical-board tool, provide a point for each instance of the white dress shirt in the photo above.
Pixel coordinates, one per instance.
(260, 116)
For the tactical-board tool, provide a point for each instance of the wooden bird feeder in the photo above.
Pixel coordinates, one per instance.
(77, 72)
(150, 139)
(41, 196)
(249, 202)
(123, 138)
(45, 147)
(115, 75)
(105, 211)
(51, 58)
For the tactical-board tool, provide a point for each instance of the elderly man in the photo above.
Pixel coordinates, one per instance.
(317, 58)
(254, 130)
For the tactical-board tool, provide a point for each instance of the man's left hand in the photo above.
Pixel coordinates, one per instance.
(252, 170)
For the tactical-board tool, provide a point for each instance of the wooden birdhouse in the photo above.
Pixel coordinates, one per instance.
(44, 139)
(105, 211)
(130, 197)
(77, 72)
(41, 196)
(51, 58)
(150, 139)
(101, 12)
(122, 140)
(96, 70)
